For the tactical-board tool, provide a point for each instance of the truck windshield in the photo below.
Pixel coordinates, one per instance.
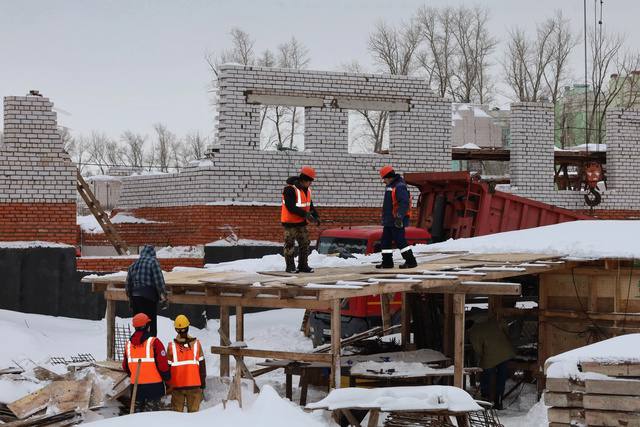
(333, 245)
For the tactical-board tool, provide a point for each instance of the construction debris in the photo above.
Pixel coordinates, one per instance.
(64, 399)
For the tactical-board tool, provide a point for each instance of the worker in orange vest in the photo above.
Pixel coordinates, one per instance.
(146, 352)
(188, 368)
(297, 210)
(396, 209)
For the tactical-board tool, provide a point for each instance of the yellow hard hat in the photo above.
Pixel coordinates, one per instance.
(181, 322)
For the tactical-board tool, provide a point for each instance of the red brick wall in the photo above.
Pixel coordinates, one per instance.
(612, 214)
(191, 225)
(110, 264)
(52, 222)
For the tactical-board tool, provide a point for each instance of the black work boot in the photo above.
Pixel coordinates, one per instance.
(303, 264)
(387, 261)
(409, 259)
(291, 264)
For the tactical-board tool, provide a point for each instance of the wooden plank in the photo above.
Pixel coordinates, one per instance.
(224, 329)
(477, 288)
(563, 400)
(405, 322)
(566, 415)
(565, 385)
(612, 418)
(612, 403)
(458, 314)
(385, 310)
(613, 387)
(336, 335)
(374, 415)
(110, 318)
(617, 370)
(272, 354)
(510, 257)
(61, 395)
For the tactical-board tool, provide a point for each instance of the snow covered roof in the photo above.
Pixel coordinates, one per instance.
(576, 239)
(32, 244)
(622, 349)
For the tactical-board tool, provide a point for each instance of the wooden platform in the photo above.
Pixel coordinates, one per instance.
(457, 274)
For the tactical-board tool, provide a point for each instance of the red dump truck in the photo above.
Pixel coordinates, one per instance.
(451, 205)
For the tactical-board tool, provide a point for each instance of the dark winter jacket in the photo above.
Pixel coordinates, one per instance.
(152, 391)
(402, 197)
(290, 202)
(144, 278)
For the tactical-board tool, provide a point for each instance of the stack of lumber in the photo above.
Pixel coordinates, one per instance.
(604, 394)
(64, 399)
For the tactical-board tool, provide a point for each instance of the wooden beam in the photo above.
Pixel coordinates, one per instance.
(224, 329)
(385, 311)
(239, 323)
(458, 361)
(285, 100)
(372, 105)
(405, 322)
(195, 299)
(110, 317)
(336, 328)
(272, 354)
(478, 288)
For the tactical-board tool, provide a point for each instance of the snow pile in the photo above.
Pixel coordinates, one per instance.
(469, 146)
(89, 223)
(32, 244)
(243, 242)
(268, 410)
(622, 349)
(276, 262)
(423, 398)
(585, 147)
(577, 239)
(180, 252)
(95, 178)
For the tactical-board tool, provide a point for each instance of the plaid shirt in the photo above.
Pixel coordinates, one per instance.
(145, 275)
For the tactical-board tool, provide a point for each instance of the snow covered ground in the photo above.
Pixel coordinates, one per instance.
(89, 223)
(35, 339)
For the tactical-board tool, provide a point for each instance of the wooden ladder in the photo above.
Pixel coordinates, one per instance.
(102, 217)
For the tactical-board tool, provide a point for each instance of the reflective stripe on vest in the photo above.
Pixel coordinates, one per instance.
(185, 365)
(144, 354)
(303, 201)
(395, 206)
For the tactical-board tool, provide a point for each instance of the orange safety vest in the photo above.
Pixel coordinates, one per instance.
(395, 203)
(144, 353)
(303, 201)
(185, 364)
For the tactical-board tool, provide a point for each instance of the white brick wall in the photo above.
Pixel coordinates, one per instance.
(33, 165)
(419, 141)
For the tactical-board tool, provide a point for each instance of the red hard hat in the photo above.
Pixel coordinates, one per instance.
(308, 171)
(385, 170)
(140, 320)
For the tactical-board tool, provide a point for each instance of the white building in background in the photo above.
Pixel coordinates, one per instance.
(476, 126)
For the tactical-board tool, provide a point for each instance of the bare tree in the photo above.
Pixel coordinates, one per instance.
(295, 55)
(97, 150)
(241, 51)
(610, 57)
(437, 58)
(164, 146)
(535, 69)
(394, 49)
(134, 144)
(195, 146)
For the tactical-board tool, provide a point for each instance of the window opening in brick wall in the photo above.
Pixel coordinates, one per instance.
(281, 128)
(368, 132)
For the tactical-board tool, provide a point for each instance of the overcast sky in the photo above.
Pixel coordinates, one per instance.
(113, 65)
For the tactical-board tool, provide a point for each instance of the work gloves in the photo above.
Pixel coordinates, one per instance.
(164, 302)
(399, 223)
(310, 217)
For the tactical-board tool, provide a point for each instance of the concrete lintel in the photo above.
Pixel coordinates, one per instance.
(285, 100)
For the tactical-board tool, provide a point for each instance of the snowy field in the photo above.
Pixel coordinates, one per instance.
(34, 339)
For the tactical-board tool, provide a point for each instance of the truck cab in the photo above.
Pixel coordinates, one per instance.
(361, 313)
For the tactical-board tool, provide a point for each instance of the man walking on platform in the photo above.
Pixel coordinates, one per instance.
(395, 217)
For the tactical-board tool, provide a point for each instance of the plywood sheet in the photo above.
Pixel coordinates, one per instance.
(61, 395)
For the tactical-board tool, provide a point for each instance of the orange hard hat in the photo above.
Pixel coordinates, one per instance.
(140, 320)
(385, 170)
(308, 171)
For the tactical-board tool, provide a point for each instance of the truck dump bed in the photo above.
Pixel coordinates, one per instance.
(455, 205)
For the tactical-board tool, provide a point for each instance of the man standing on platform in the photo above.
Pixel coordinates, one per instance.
(395, 217)
(297, 210)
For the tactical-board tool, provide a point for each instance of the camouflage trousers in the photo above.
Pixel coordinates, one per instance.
(293, 235)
